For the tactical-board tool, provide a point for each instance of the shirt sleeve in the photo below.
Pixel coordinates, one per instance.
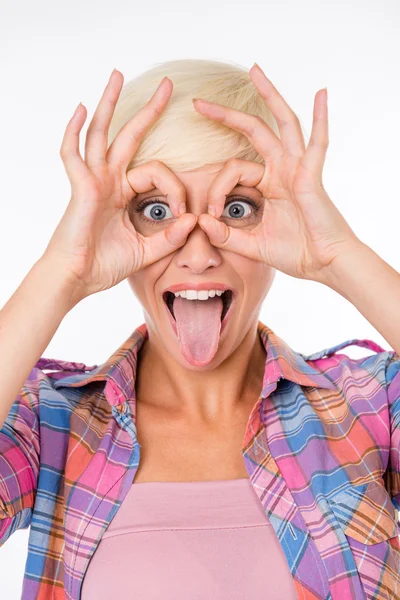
(19, 458)
(392, 475)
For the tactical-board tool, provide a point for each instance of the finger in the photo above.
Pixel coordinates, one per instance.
(162, 243)
(97, 133)
(235, 172)
(314, 157)
(125, 144)
(156, 176)
(228, 238)
(288, 123)
(259, 134)
(74, 164)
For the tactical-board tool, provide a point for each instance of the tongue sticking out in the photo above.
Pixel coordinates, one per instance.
(198, 323)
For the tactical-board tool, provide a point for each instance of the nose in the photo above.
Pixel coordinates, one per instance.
(198, 254)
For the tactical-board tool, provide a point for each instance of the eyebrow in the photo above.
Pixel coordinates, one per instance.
(157, 192)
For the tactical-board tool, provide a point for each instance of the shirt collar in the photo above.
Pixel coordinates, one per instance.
(282, 362)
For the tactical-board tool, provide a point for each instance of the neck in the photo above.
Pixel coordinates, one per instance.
(213, 396)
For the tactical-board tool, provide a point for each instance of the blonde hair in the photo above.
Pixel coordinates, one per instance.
(182, 138)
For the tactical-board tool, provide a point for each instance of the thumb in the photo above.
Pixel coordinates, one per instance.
(229, 238)
(217, 231)
(168, 240)
(177, 233)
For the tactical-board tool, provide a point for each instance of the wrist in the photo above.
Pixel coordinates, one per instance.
(54, 277)
(348, 268)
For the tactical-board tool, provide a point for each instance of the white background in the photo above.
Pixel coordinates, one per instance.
(54, 55)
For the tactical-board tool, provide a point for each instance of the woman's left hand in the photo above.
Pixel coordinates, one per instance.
(302, 232)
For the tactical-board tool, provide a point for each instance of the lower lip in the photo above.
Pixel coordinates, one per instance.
(224, 322)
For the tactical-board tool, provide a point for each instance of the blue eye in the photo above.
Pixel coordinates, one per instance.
(237, 209)
(151, 211)
(157, 211)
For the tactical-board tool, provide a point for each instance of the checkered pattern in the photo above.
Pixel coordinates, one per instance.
(321, 449)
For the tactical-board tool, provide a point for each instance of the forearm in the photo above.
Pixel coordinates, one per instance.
(28, 322)
(372, 286)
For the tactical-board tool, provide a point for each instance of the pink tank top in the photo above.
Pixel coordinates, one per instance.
(189, 540)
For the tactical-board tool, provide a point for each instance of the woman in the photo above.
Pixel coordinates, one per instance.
(262, 473)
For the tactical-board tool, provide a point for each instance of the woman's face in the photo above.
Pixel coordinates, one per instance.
(197, 338)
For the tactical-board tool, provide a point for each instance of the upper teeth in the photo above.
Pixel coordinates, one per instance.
(198, 295)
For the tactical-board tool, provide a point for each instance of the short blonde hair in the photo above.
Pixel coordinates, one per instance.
(182, 138)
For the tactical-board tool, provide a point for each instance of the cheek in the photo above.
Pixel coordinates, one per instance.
(259, 281)
(145, 283)
(257, 278)
(136, 284)
(264, 281)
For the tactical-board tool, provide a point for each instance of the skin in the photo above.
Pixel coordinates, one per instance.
(234, 376)
(99, 242)
(299, 231)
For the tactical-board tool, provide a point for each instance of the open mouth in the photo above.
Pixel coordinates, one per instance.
(226, 298)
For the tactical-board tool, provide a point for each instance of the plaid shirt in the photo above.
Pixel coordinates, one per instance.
(321, 449)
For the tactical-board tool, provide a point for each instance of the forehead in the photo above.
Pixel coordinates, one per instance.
(197, 181)
(206, 173)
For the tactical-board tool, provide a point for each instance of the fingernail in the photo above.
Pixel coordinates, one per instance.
(182, 208)
(211, 210)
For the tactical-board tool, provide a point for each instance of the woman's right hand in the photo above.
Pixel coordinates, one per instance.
(95, 242)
